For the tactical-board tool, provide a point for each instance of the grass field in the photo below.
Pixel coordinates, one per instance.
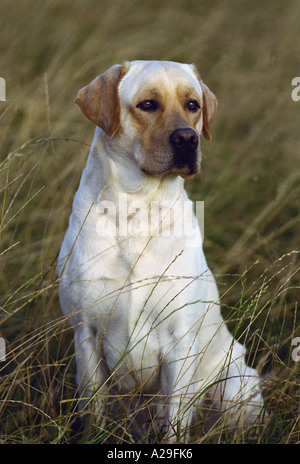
(247, 52)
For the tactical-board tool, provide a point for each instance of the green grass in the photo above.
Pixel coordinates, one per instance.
(246, 53)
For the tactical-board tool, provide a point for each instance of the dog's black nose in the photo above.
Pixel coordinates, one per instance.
(185, 140)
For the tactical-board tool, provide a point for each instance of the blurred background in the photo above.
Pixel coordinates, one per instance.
(247, 52)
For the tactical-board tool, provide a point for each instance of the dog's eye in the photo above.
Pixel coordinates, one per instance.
(193, 105)
(148, 105)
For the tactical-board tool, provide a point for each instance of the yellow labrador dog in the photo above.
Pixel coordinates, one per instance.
(133, 277)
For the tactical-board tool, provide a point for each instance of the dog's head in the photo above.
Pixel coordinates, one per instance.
(156, 109)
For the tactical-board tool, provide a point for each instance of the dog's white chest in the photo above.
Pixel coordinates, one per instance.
(148, 301)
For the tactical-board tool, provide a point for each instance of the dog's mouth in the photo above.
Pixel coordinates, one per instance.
(188, 172)
(185, 171)
(179, 167)
(182, 164)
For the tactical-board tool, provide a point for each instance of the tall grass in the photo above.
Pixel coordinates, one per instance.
(246, 53)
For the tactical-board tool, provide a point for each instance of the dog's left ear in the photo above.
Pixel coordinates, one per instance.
(99, 101)
(210, 104)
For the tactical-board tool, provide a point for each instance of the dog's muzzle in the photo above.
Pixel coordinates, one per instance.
(184, 143)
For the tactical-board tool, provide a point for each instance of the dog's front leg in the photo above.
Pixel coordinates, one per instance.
(178, 393)
(91, 374)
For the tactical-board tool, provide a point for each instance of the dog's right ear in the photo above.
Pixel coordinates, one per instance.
(99, 101)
